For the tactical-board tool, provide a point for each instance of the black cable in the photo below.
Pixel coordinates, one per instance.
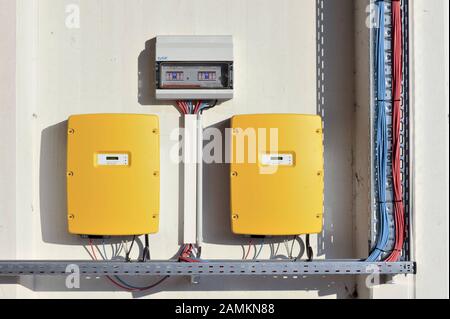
(132, 287)
(127, 254)
(209, 107)
(309, 250)
(146, 251)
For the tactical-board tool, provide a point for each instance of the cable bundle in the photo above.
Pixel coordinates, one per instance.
(194, 107)
(119, 282)
(187, 254)
(381, 140)
(396, 122)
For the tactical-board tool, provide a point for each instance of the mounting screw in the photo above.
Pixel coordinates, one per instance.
(318, 216)
(71, 216)
(155, 216)
(318, 131)
(69, 173)
(155, 131)
(71, 131)
(234, 174)
(319, 173)
(235, 216)
(155, 173)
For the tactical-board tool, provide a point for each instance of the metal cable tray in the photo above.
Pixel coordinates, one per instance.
(205, 268)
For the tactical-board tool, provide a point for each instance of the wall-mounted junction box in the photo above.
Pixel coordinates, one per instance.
(194, 67)
(113, 174)
(277, 174)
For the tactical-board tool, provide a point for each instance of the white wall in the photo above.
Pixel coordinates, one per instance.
(430, 89)
(7, 138)
(105, 66)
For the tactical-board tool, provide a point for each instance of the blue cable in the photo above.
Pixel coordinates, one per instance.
(381, 142)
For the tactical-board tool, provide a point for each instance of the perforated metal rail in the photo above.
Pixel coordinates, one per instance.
(173, 268)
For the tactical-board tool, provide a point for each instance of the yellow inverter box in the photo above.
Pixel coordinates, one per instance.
(113, 174)
(277, 170)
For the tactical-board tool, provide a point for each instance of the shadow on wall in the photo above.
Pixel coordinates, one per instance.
(326, 286)
(335, 102)
(52, 186)
(216, 195)
(147, 76)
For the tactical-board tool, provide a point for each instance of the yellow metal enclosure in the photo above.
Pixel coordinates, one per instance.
(277, 173)
(113, 174)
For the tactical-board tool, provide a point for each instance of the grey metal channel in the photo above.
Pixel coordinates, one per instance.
(404, 147)
(173, 268)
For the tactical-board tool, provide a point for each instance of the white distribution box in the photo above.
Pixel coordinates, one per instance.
(194, 67)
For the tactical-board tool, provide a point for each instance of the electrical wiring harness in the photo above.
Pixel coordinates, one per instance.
(381, 141)
(194, 107)
(116, 280)
(396, 128)
(186, 255)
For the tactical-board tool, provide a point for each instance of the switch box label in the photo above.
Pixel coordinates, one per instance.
(113, 159)
(277, 159)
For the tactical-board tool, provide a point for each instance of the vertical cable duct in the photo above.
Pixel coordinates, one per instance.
(381, 143)
(397, 64)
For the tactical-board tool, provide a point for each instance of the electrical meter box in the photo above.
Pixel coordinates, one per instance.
(276, 173)
(194, 67)
(113, 174)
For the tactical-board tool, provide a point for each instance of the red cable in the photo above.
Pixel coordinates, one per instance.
(186, 107)
(396, 123)
(197, 106)
(186, 253)
(94, 256)
(181, 107)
